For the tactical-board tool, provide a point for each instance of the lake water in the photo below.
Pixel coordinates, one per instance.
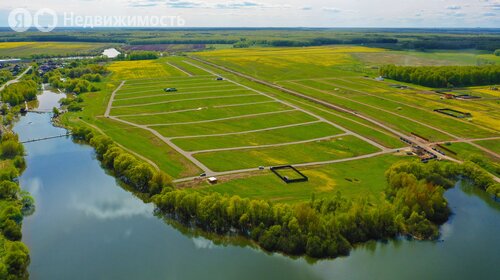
(111, 53)
(87, 227)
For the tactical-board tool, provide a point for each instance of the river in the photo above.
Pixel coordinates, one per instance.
(87, 227)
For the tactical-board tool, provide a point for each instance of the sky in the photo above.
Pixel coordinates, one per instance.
(279, 13)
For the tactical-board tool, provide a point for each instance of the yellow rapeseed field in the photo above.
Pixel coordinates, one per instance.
(142, 69)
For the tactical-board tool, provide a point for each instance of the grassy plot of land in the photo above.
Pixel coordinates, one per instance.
(149, 146)
(354, 179)
(180, 96)
(485, 112)
(236, 125)
(413, 112)
(180, 62)
(466, 151)
(335, 148)
(389, 119)
(349, 121)
(274, 136)
(428, 58)
(58, 49)
(204, 113)
(288, 63)
(492, 145)
(189, 88)
(189, 104)
(181, 84)
(139, 141)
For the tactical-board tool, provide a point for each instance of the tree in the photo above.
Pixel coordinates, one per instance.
(17, 259)
(55, 112)
(8, 190)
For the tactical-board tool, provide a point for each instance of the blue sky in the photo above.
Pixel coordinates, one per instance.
(284, 13)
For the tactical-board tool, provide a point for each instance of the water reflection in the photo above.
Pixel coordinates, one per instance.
(105, 208)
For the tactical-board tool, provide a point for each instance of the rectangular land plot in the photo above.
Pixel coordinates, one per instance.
(392, 120)
(195, 71)
(245, 123)
(198, 114)
(185, 87)
(318, 151)
(139, 69)
(492, 145)
(267, 137)
(188, 104)
(165, 96)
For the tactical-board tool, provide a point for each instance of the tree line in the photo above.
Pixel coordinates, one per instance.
(138, 55)
(444, 76)
(14, 205)
(414, 205)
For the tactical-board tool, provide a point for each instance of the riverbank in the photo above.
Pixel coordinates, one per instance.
(15, 204)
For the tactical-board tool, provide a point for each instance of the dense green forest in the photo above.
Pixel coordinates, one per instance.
(5, 75)
(444, 76)
(14, 205)
(77, 77)
(17, 93)
(481, 39)
(327, 227)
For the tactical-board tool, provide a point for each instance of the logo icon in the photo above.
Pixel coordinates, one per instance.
(47, 15)
(20, 20)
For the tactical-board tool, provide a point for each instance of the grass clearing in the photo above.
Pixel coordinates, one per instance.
(236, 125)
(161, 97)
(317, 151)
(354, 179)
(465, 151)
(274, 136)
(189, 104)
(492, 145)
(198, 114)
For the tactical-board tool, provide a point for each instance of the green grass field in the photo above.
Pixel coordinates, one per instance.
(275, 136)
(466, 151)
(317, 151)
(493, 145)
(345, 177)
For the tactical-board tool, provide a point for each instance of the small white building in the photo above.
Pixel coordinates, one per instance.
(212, 180)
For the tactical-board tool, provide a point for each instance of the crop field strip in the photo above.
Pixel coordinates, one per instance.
(385, 95)
(391, 119)
(230, 122)
(465, 130)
